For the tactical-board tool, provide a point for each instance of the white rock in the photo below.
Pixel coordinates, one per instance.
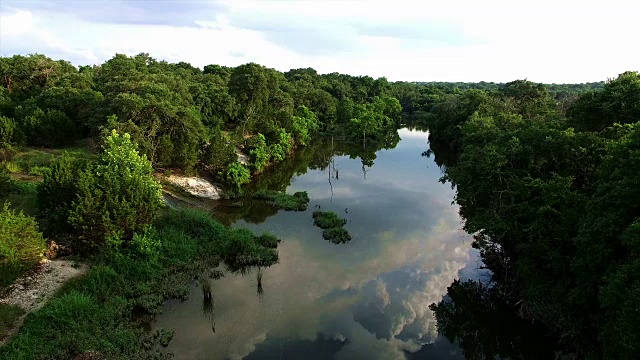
(196, 186)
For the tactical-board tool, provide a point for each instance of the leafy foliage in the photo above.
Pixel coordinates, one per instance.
(337, 235)
(117, 196)
(21, 244)
(238, 174)
(327, 220)
(542, 195)
(296, 202)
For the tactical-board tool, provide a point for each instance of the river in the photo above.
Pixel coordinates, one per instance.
(365, 299)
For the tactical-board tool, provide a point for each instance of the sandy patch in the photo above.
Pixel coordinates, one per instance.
(32, 291)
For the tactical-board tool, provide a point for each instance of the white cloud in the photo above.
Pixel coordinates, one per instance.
(16, 24)
(547, 41)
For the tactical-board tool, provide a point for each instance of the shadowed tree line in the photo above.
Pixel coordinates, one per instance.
(550, 193)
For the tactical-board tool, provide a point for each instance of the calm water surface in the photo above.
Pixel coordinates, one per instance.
(366, 299)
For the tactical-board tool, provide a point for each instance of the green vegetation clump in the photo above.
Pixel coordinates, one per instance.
(296, 202)
(327, 220)
(21, 244)
(112, 199)
(8, 316)
(337, 235)
(268, 240)
(238, 175)
(95, 311)
(21, 194)
(333, 226)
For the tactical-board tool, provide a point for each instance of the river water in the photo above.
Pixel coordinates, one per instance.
(365, 299)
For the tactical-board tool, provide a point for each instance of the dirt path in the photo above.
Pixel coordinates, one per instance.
(32, 291)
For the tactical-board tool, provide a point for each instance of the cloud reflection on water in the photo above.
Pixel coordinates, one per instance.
(371, 295)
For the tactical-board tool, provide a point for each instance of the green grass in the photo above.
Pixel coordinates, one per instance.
(296, 202)
(21, 194)
(338, 235)
(36, 161)
(8, 316)
(94, 312)
(327, 220)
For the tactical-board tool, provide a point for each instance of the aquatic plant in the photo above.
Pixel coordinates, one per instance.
(296, 202)
(338, 235)
(327, 220)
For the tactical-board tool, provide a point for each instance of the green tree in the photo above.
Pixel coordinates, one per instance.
(115, 198)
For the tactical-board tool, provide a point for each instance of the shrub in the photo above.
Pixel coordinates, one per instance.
(12, 167)
(146, 244)
(38, 170)
(6, 182)
(327, 220)
(259, 152)
(219, 153)
(119, 194)
(25, 187)
(7, 129)
(21, 244)
(238, 174)
(305, 123)
(268, 240)
(338, 235)
(112, 199)
(57, 193)
(296, 202)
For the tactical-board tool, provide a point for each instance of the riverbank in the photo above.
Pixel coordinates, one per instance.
(94, 313)
(34, 289)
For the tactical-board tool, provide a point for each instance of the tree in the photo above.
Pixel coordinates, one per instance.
(617, 102)
(114, 198)
(249, 85)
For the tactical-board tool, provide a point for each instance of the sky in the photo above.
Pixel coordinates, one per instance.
(547, 41)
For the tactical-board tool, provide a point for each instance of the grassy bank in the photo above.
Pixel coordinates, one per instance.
(95, 313)
(35, 161)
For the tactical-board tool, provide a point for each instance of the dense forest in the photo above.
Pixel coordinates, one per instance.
(551, 194)
(185, 118)
(547, 179)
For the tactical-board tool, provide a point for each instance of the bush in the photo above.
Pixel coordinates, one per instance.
(219, 153)
(38, 170)
(119, 194)
(305, 123)
(57, 193)
(114, 198)
(21, 244)
(327, 220)
(296, 202)
(338, 235)
(268, 240)
(259, 152)
(238, 174)
(146, 244)
(25, 187)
